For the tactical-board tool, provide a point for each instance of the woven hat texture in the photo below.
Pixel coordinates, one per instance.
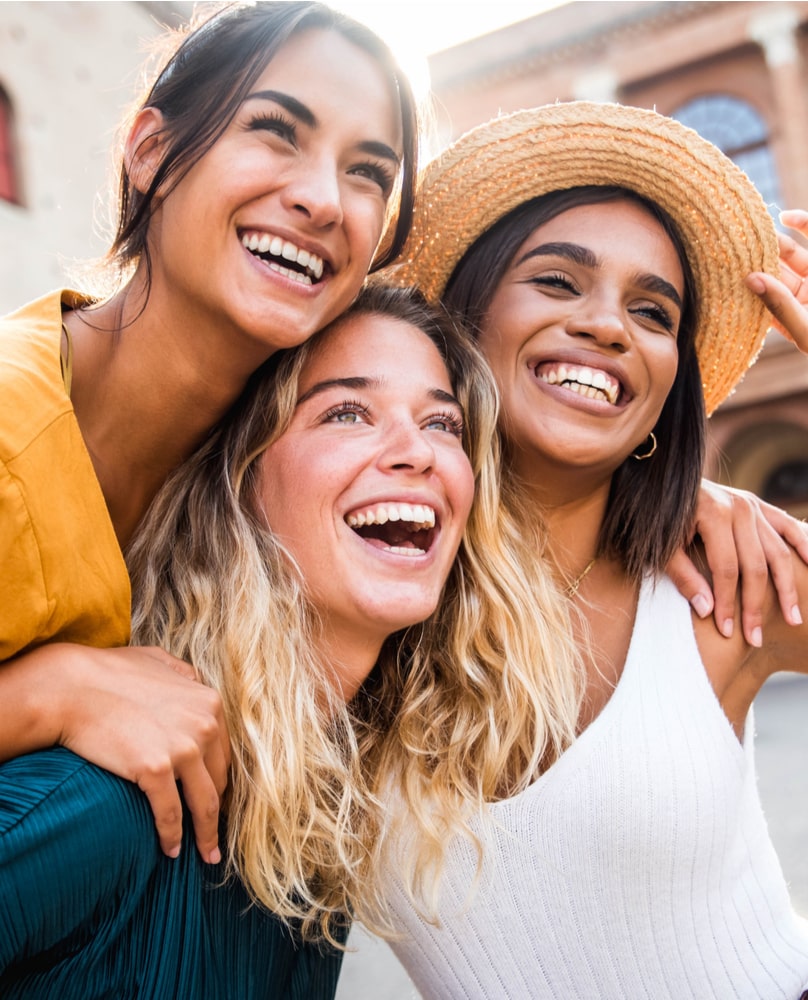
(724, 224)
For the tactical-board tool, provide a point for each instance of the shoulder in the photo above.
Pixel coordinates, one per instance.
(31, 383)
(74, 842)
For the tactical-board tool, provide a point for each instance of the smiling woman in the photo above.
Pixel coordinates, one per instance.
(269, 166)
(333, 648)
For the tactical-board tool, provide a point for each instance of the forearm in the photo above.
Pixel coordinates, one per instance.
(30, 688)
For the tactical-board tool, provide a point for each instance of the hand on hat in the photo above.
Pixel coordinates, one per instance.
(787, 299)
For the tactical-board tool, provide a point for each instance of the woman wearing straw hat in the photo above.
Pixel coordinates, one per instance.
(600, 256)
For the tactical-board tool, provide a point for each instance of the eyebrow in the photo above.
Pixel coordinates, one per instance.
(304, 114)
(586, 258)
(362, 382)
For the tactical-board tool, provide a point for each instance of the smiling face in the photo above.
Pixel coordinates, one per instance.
(581, 335)
(369, 488)
(269, 235)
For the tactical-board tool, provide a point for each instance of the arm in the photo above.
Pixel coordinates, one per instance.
(742, 536)
(137, 712)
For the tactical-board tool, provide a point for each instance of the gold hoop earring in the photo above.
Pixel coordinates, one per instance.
(650, 452)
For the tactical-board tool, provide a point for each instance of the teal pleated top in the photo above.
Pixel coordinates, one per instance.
(90, 908)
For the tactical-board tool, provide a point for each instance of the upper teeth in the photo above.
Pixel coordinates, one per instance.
(264, 243)
(590, 382)
(418, 514)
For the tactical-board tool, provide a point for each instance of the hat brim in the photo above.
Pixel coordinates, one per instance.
(722, 220)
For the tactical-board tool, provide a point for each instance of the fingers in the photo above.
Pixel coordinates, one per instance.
(790, 314)
(141, 714)
(158, 785)
(198, 759)
(690, 583)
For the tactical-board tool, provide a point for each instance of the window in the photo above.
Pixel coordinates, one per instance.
(9, 189)
(740, 132)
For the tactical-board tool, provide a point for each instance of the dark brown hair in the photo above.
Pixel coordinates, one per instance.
(651, 504)
(205, 81)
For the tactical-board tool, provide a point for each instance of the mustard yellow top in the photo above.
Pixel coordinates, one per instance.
(62, 574)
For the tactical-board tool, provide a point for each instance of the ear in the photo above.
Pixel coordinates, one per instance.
(143, 150)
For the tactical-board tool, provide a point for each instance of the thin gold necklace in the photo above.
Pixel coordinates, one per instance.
(572, 588)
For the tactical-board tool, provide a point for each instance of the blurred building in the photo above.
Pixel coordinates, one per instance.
(68, 73)
(735, 72)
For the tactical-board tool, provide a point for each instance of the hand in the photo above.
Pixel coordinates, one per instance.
(742, 536)
(787, 298)
(141, 714)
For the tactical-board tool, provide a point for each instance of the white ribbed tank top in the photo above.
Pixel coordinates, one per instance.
(639, 866)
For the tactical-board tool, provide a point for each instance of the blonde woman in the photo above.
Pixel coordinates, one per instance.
(314, 561)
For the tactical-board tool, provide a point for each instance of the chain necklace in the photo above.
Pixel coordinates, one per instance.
(572, 588)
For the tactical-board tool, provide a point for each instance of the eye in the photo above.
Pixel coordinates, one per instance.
(346, 412)
(555, 280)
(448, 422)
(275, 123)
(657, 314)
(377, 172)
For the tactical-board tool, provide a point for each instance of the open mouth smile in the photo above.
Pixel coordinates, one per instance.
(284, 257)
(593, 383)
(402, 528)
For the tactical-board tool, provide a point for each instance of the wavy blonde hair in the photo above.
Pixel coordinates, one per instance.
(453, 713)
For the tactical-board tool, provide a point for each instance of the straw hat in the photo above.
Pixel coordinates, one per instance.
(722, 220)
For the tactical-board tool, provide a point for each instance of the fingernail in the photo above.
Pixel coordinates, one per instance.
(175, 851)
(796, 616)
(701, 605)
(727, 628)
(215, 856)
(757, 637)
(756, 284)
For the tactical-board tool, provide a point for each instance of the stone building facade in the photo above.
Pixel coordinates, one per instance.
(737, 73)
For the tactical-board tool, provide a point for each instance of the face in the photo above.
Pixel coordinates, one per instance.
(270, 234)
(581, 335)
(369, 488)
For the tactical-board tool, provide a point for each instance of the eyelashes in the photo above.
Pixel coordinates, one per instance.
(342, 413)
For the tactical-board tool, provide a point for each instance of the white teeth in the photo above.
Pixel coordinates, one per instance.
(417, 514)
(264, 243)
(399, 550)
(594, 384)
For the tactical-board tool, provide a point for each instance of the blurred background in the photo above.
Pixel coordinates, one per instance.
(737, 72)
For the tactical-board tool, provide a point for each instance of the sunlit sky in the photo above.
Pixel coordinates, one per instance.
(416, 28)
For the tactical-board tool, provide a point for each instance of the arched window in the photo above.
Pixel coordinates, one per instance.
(740, 132)
(9, 186)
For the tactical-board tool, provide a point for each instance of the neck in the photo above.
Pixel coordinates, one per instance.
(351, 657)
(144, 398)
(573, 505)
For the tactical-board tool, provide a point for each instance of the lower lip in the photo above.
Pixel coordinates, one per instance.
(380, 549)
(571, 398)
(269, 272)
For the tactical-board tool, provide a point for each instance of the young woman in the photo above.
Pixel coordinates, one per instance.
(606, 291)
(293, 559)
(258, 176)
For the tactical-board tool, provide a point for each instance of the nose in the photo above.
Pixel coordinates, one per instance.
(407, 448)
(315, 191)
(600, 319)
